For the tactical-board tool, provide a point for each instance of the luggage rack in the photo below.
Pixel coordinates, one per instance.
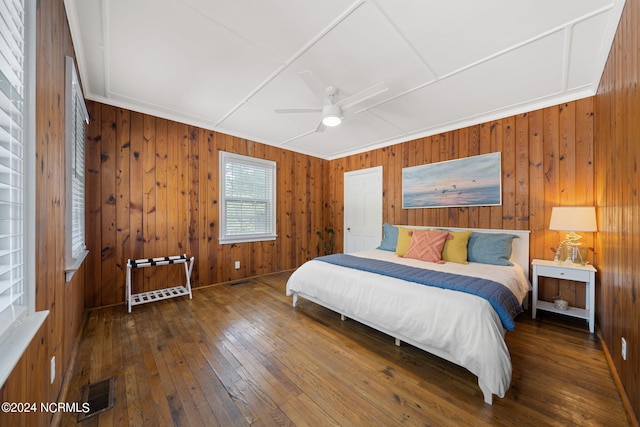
(160, 294)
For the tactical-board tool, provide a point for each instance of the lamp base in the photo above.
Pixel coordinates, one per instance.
(569, 254)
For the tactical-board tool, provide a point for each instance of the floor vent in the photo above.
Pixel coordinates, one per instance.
(98, 396)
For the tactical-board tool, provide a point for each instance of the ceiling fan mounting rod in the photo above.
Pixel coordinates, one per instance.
(331, 91)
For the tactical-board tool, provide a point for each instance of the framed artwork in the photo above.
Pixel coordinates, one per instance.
(471, 181)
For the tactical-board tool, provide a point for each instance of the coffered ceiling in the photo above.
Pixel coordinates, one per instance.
(426, 66)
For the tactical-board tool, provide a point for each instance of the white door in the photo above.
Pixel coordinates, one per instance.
(362, 209)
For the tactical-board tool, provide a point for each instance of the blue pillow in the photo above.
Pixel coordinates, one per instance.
(488, 248)
(390, 239)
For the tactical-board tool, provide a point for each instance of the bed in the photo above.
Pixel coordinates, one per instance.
(461, 327)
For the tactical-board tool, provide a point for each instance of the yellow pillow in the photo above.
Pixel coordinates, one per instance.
(404, 240)
(455, 250)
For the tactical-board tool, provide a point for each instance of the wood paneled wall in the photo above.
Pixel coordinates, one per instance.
(152, 190)
(617, 108)
(547, 160)
(29, 381)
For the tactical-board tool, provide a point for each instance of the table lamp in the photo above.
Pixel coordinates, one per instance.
(572, 219)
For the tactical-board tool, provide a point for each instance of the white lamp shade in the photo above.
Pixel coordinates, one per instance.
(573, 218)
(331, 115)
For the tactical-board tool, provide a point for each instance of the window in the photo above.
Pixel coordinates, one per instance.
(248, 199)
(76, 117)
(19, 321)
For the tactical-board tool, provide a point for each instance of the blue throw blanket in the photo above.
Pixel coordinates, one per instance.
(500, 297)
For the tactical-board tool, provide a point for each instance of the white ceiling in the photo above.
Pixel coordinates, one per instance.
(226, 65)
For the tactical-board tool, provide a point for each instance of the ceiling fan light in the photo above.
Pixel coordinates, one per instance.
(331, 115)
(331, 121)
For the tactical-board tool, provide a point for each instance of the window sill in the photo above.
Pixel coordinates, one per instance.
(71, 269)
(246, 239)
(17, 341)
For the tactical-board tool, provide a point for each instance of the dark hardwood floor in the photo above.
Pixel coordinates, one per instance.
(240, 355)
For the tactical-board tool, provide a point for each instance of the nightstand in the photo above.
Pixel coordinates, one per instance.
(578, 273)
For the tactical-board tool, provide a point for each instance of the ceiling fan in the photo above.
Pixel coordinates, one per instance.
(333, 108)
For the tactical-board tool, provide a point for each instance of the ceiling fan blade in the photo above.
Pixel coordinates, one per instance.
(321, 127)
(298, 137)
(363, 95)
(313, 84)
(297, 110)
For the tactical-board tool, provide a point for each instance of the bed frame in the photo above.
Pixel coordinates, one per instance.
(519, 255)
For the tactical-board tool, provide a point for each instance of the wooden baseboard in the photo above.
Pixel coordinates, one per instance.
(626, 403)
(56, 419)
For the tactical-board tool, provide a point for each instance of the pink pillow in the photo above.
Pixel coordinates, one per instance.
(427, 245)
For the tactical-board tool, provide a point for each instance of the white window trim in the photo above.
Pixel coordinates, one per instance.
(73, 95)
(254, 237)
(16, 340)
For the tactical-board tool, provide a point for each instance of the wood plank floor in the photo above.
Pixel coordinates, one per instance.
(239, 355)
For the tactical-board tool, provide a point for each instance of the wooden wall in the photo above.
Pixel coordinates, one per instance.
(617, 108)
(153, 191)
(29, 381)
(154, 188)
(547, 160)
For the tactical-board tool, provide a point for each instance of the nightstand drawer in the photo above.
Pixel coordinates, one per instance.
(560, 272)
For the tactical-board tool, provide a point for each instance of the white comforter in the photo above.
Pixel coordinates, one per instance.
(460, 327)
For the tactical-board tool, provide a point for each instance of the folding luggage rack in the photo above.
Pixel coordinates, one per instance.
(160, 294)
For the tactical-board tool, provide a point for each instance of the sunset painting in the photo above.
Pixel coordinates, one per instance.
(471, 181)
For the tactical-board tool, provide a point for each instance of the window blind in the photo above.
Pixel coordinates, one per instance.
(12, 91)
(248, 198)
(76, 117)
(77, 127)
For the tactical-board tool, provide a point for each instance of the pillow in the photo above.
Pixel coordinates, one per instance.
(390, 239)
(404, 240)
(426, 245)
(455, 249)
(490, 248)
